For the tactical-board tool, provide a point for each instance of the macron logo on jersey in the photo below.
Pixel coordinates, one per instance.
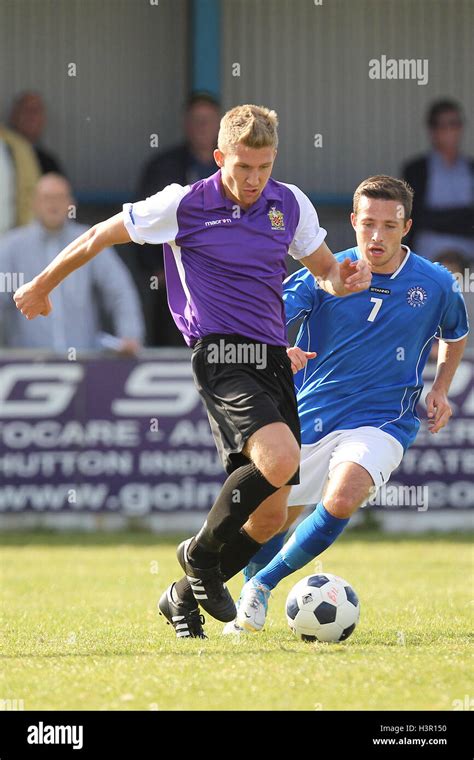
(217, 221)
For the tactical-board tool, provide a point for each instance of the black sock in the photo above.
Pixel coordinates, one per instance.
(183, 592)
(202, 556)
(236, 556)
(232, 557)
(243, 491)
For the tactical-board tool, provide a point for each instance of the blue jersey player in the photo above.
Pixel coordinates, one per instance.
(357, 398)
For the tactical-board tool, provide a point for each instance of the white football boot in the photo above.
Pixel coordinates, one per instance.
(253, 606)
(233, 629)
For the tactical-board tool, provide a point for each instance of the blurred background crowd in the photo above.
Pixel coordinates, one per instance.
(42, 210)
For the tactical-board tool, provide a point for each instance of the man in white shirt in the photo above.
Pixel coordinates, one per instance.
(76, 319)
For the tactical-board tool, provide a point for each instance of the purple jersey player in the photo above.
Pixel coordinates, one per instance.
(225, 241)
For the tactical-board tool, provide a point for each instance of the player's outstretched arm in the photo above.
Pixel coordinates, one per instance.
(338, 279)
(32, 299)
(437, 405)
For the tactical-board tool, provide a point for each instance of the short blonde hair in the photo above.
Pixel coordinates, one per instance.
(253, 126)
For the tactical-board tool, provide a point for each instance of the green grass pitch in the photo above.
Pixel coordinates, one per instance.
(80, 630)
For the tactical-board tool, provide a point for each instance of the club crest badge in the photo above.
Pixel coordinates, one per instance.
(416, 296)
(276, 218)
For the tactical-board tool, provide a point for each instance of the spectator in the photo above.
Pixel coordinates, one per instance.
(443, 181)
(75, 321)
(459, 266)
(28, 118)
(186, 163)
(19, 172)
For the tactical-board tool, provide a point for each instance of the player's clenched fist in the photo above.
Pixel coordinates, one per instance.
(299, 358)
(32, 301)
(438, 409)
(355, 275)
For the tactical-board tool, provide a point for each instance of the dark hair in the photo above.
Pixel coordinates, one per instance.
(452, 256)
(201, 96)
(386, 188)
(439, 107)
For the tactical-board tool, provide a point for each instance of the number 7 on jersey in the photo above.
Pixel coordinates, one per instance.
(376, 308)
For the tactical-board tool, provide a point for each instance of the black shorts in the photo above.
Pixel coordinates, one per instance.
(245, 385)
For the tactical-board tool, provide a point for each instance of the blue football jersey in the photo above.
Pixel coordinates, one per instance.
(371, 346)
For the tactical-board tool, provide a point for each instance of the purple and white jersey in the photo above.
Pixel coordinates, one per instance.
(225, 265)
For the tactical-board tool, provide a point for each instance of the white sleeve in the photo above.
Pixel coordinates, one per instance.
(154, 219)
(308, 234)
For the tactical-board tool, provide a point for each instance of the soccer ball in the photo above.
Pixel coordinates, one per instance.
(322, 608)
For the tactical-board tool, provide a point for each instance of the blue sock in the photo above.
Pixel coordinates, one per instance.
(264, 555)
(311, 537)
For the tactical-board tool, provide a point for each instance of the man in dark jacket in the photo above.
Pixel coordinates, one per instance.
(185, 163)
(443, 181)
(28, 118)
